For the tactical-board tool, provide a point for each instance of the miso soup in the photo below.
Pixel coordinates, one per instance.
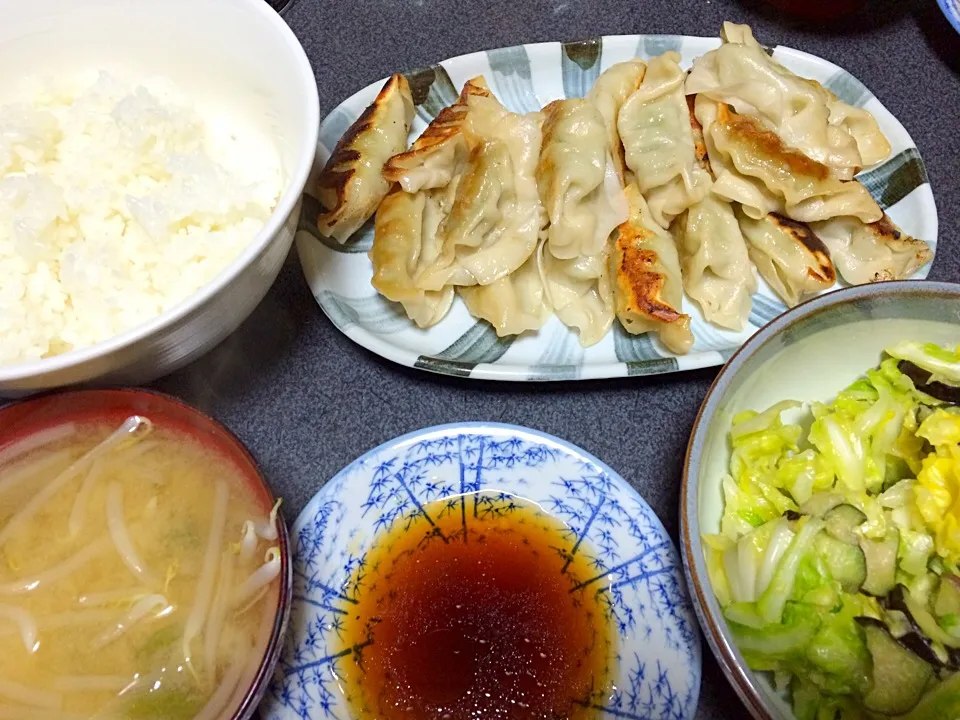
(138, 576)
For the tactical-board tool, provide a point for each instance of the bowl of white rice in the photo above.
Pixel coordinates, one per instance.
(152, 158)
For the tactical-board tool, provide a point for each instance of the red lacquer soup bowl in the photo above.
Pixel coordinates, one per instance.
(38, 416)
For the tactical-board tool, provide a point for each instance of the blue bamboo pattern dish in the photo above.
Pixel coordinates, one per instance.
(951, 8)
(637, 565)
(526, 77)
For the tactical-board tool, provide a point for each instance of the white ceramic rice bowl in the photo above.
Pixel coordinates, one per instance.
(237, 56)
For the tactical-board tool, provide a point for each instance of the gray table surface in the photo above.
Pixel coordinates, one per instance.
(307, 401)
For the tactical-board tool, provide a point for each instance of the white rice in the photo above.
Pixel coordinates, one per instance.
(116, 203)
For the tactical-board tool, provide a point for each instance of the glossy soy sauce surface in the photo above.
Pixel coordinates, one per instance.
(483, 607)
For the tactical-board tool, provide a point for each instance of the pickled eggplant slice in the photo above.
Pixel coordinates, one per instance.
(899, 677)
(928, 650)
(846, 562)
(921, 380)
(842, 523)
(819, 504)
(881, 557)
(901, 599)
(941, 702)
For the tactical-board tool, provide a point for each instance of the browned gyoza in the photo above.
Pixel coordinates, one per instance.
(351, 185)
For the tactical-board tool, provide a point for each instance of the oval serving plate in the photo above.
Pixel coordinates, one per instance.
(636, 562)
(525, 78)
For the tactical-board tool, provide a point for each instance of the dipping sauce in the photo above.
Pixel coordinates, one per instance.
(479, 607)
(137, 575)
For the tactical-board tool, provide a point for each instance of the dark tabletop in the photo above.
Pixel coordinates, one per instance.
(307, 400)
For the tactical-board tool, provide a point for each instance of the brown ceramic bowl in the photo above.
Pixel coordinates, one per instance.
(809, 353)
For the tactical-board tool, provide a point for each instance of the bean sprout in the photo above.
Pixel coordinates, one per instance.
(79, 511)
(30, 696)
(211, 636)
(36, 440)
(91, 683)
(268, 530)
(257, 596)
(248, 543)
(132, 428)
(201, 603)
(25, 623)
(260, 577)
(76, 618)
(58, 572)
(111, 597)
(121, 538)
(69, 620)
(12, 479)
(139, 611)
(215, 705)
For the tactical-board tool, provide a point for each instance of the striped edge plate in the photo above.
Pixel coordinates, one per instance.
(525, 78)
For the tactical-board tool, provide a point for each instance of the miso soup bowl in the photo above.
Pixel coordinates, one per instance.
(235, 57)
(20, 420)
(809, 353)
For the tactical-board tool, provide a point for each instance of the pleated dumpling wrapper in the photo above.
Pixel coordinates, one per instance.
(495, 219)
(659, 144)
(577, 180)
(788, 255)
(351, 185)
(755, 168)
(513, 304)
(404, 242)
(717, 272)
(584, 200)
(804, 114)
(580, 292)
(872, 252)
(609, 93)
(442, 148)
(648, 288)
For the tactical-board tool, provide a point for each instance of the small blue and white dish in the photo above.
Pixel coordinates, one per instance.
(658, 647)
(951, 8)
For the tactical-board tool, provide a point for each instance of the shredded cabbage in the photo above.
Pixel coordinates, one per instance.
(937, 490)
(943, 364)
(774, 598)
(803, 474)
(749, 504)
(883, 447)
(714, 547)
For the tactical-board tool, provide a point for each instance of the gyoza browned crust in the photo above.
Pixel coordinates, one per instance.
(768, 144)
(887, 233)
(444, 128)
(348, 199)
(822, 269)
(638, 283)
